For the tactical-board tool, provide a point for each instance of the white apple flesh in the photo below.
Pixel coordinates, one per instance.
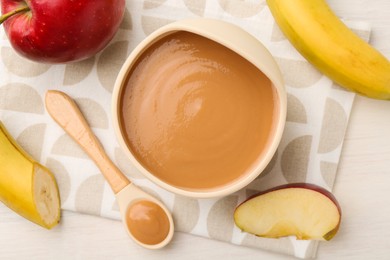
(306, 211)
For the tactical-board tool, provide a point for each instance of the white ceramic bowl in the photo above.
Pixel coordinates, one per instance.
(241, 42)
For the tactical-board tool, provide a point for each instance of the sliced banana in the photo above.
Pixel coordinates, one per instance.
(27, 187)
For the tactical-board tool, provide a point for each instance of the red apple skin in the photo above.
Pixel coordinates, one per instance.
(59, 31)
(310, 186)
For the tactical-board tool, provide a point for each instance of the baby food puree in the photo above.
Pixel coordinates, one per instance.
(196, 114)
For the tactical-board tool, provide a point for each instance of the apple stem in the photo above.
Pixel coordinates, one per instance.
(13, 12)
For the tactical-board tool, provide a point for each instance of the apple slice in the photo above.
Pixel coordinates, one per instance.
(304, 210)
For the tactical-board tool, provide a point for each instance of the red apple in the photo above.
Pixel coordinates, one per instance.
(58, 31)
(306, 211)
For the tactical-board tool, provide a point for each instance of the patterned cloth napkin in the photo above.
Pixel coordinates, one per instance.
(318, 113)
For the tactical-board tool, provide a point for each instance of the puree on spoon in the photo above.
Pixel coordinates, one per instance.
(147, 222)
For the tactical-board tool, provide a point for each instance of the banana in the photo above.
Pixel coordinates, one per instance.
(324, 40)
(27, 187)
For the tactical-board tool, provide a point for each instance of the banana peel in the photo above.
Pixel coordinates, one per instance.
(27, 187)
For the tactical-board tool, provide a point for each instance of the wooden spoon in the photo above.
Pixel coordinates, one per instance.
(146, 219)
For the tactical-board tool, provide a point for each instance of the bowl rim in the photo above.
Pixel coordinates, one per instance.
(230, 36)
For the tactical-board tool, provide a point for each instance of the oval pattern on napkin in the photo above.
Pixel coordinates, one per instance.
(127, 22)
(126, 166)
(277, 34)
(298, 73)
(196, 6)
(242, 9)
(328, 172)
(220, 223)
(62, 176)
(296, 111)
(94, 113)
(295, 159)
(21, 98)
(334, 123)
(185, 220)
(65, 145)
(32, 139)
(21, 66)
(150, 4)
(150, 191)
(150, 23)
(110, 62)
(89, 195)
(256, 184)
(75, 72)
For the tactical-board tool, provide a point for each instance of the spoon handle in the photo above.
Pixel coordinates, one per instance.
(66, 113)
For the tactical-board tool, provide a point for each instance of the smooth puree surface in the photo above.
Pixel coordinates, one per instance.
(147, 222)
(196, 114)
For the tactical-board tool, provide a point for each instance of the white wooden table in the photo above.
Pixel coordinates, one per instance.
(362, 188)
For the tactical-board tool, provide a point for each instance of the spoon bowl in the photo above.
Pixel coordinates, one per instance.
(130, 196)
